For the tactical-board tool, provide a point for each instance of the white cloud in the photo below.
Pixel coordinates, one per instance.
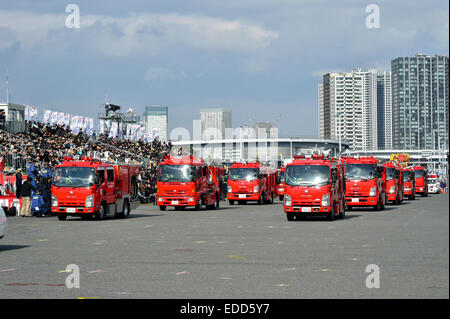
(133, 35)
(157, 73)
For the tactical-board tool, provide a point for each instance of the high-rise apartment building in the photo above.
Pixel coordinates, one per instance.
(341, 108)
(384, 110)
(214, 122)
(420, 102)
(156, 119)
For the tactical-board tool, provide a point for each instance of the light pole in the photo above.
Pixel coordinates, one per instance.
(338, 116)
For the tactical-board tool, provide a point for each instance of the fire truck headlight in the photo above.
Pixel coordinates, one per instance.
(326, 200)
(256, 189)
(229, 189)
(90, 201)
(54, 201)
(373, 191)
(191, 199)
(287, 200)
(392, 190)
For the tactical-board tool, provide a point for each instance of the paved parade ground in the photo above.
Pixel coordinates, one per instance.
(245, 251)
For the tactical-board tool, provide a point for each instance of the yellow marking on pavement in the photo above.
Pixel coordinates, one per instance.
(236, 257)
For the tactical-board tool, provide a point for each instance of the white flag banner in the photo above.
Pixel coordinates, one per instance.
(91, 126)
(113, 131)
(53, 118)
(27, 113)
(47, 114)
(120, 132)
(101, 126)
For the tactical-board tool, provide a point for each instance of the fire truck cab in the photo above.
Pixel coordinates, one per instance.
(85, 187)
(409, 183)
(251, 182)
(394, 182)
(314, 186)
(421, 179)
(366, 182)
(186, 181)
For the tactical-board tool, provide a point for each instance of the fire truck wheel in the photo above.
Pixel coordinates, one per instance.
(377, 207)
(342, 213)
(330, 216)
(382, 205)
(163, 208)
(199, 204)
(100, 215)
(261, 199)
(217, 201)
(231, 202)
(62, 216)
(290, 216)
(280, 197)
(125, 211)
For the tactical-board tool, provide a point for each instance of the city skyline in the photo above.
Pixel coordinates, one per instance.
(178, 54)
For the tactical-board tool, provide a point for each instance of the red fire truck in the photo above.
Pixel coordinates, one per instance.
(186, 181)
(366, 182)
(421, 179)
(251, 182)
(314, 186)
(281, 184)
(394, 182)
(409, 183)
(85, 187)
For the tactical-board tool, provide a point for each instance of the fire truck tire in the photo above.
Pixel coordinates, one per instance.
(199, 204)
(382, 205)
(62, 216)
(100, 215)
(261, 199)
(217, 205)
(163, 208)
(290, 216)
(125, 211)
(280, 197)
(330, 215)
(231, 202)
(377, 207)
(342, 213)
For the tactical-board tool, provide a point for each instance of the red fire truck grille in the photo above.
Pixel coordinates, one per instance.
(355, 194)
(305, 203)
(177, 193)
(71, 203)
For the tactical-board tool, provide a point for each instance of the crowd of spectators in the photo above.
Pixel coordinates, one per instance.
(45, 146)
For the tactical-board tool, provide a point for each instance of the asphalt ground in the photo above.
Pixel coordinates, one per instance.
(239, 251)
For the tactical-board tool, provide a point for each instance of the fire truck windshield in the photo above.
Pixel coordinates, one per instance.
(176, 173)
(299, 175)
(390, 173)
(407, 176)
(244, 173)
(73, 177)
(419, 173)
(361, 172)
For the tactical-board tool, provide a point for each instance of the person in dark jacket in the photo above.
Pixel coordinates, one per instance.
(18, 183)
(26, 197)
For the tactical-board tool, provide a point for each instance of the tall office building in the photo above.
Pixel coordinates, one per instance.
(341, 108)
(156, 119)
(420, 102)
(214, 122)
(384, 110)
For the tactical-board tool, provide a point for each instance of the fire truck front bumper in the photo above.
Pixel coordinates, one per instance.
(306, 209)
(420, 189)
(392, 197)
(247, 196)
(361, 201)
(72, 210)
(176, 201)
(407, 191)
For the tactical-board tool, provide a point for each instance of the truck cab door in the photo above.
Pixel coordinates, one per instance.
(110, 186)
(101, 188)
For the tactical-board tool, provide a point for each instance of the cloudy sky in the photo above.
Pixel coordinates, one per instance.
(261, 58)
